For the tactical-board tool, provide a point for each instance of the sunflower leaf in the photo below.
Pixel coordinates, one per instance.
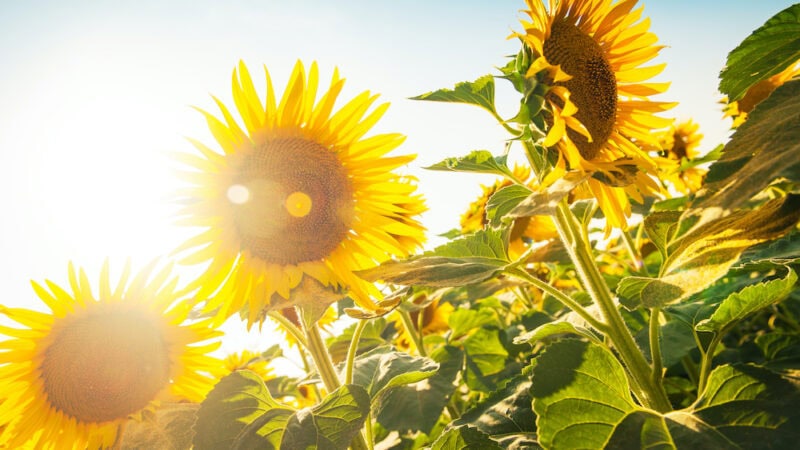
(479, 92)
(417, 407)
(238, 400)
(332, 424)
(380, 370)
(480, 161)
(767, 51)
(749, 300)
(762, 150)
(543, 202)
(505, 411)
(504, 201)
(471, 259)
(170, 426)
(464, 438)
(706, 253)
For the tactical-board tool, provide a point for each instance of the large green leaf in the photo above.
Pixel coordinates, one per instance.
(462, 321)
(236, 401)
(766, 52)
(763, 149)
(479, 92)
(418, 406)
(581, 399)
(543, 202)
(707, 252)
(747, 301)
(471, 259)
(580, 392)
(382, 369)
(485, 353)
(480, 161)
(330, 425)
(506, 411)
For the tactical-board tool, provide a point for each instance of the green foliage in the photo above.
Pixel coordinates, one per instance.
(237, 401)
(504, 201)
(464, 438)
(479, 92)
(478, 161)
(704, 254)
(766, 52)
(382, 369)
(762, 150)
(332, 424)
(471, 259)
(170, 427)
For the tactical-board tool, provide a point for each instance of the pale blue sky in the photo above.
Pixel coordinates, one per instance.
(93, 94)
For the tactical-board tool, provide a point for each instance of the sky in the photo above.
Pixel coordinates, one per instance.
(94, 95)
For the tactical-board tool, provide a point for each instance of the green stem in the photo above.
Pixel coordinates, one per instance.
(655, 345)
(505, 125)
(650, 394)
(405, 316)
(706, 363)
(352, 350)
(560, 296)
(289, 327)
(322, 359)
(636, 255)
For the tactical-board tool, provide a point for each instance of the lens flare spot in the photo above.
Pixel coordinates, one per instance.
(238, 194)
(298, 204)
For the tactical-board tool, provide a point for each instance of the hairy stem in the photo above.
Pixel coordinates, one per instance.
(655, 345)
(415, 334)
(352, 350)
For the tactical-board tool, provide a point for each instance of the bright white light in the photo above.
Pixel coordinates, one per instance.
(238, 194)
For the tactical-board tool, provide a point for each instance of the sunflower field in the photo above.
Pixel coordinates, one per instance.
(615, 287)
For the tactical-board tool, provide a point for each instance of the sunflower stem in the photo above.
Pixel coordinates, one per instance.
(290, 327)
(655, 345)
(352, 350)
(405, 316)
(649, 393)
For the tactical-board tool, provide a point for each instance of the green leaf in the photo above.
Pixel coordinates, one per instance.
(464, 438)
(169, 427)
(708, 251)
(485, 353)
(382, 369)
(747, 301)
(479, 161)
(506, 411)
(479, 92)
(751, 406)
(762, 150)
(781, 350)
(661, 227)
(549, 330)
(767, 51)
(237, 400)
(580, 392)
(544, 202)
(419, 406)
(505, 200)
(462, 321)
(471, 259)
(331, 424)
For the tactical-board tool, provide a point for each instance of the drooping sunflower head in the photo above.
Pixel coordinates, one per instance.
(738, 110)
(71, 378)
(589, 55)
(297, 191)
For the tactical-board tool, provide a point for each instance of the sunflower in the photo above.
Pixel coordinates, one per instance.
(248, 360)
(71, 378)
(535, 228)
(589, 55)
(679, 146)
(297, 195)
(434, 320)
(739, 109)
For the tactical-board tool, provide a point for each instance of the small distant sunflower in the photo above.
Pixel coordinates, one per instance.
(536, 228)
(739, 109)
(434, 320)
(248, 360)
(73, 377)
(589, 53)
(679, 146)
(298, 191)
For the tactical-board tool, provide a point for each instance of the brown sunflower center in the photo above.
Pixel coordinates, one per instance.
(679, 146)
(293, 201)
(105, 366)
(593, 85)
